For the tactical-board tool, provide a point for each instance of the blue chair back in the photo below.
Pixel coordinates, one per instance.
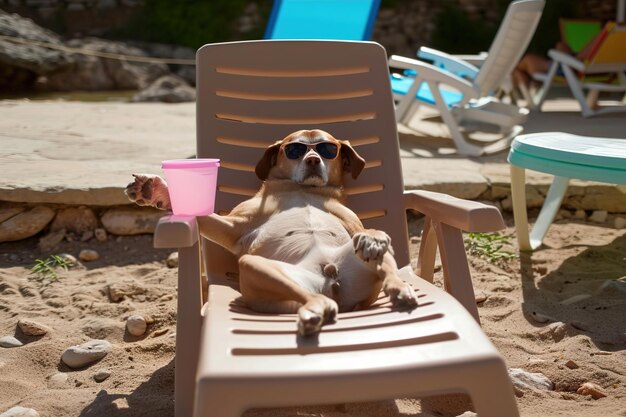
(322, 19)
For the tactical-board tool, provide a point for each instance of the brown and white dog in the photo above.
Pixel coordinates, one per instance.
(299, 248)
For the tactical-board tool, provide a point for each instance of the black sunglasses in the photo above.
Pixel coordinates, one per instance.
(296, 150)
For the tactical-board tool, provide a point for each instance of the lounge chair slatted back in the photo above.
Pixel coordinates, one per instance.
(517, 28)
(303, 94)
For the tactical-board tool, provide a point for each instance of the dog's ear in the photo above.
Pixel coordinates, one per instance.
(268, 160)
(352, 161)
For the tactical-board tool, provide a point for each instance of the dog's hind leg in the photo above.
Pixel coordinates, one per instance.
(374, 248)
(267, 287)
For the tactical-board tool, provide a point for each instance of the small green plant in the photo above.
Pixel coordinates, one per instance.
(489, 246)
(45, 269)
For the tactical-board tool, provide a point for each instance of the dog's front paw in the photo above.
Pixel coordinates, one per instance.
(371, 245)
(316, 312)
(149, 190)
(400, 293)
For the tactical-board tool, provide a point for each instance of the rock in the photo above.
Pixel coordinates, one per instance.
(87, 235)
(599, 216)
(119, 290)
(589, 388)
(32, 328)
(468, 414)
(20, 63)
(26, 224)
(70, 259)
(555, 331)
(92, 73)
(58, 381)
(8, 212)
(172, 260)
(10, 342)
(131, 221)
(88, 255)
(167, 89)
(580, 214)
(101, 375)
(480, 297)
(525, 381)
(571, 364)
(51, 240)
(619, 222)
(136, 325)
(85, 354)
(76, 220)
(18, 411)
(540, 317)
(101, 234)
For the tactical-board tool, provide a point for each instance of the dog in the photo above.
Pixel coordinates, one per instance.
(300, 249)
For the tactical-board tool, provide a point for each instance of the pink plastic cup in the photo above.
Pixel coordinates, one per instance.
(191, 184)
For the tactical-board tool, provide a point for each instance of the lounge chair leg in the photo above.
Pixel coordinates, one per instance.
(456, 274)
(188, 326)
(427, 252)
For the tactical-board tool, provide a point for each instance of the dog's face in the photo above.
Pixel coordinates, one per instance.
(310, 157)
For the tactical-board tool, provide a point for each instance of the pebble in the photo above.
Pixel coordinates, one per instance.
(172, 260)
(101, 234)
(70, 259)
(89, 352)
(589, 388)
(101, 375)
(10, 342)
(136, 325)
(619, 222)
(524, 380)
(580, 214)
(32, 328)
(58, 380)
(20, 412)
(87, 235)
(599, 216)
(480, 297)
(540, 318)
(556, 331)
(571, 364)
(88, 255)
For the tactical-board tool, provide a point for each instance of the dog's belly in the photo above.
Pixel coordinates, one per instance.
(292, 234)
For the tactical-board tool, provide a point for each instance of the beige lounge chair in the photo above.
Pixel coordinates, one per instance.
(229, 358)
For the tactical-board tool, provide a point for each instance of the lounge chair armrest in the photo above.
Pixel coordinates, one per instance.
(451, 63)
(176, 232)
(466, 215)
(428, 72)
(566, 59)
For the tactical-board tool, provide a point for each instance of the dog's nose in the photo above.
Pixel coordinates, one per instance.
(312, 159)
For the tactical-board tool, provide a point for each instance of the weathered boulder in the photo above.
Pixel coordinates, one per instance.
(131, 221)
(22, 63)
(168, 89)
(75, 220)
(25, 224)
(94, 73)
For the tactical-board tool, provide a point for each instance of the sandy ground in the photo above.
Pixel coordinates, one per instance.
(579, 260)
